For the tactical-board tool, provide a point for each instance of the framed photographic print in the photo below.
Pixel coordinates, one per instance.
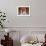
(23, 11)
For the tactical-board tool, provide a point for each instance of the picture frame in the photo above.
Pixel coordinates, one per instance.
(23, 11)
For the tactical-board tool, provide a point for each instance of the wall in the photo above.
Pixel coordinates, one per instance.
(37, 18)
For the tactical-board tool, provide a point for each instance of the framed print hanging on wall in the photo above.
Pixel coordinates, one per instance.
(23, 11)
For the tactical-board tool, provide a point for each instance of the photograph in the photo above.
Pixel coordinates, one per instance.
(23, 10)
